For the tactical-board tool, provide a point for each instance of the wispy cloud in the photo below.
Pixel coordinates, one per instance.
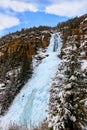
(67, 8)
(7, 21)
(18, 6)
(18, 12)
(9, 10)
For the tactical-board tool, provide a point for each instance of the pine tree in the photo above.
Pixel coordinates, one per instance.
(67, 102)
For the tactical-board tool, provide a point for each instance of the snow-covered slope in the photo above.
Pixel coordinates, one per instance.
(30, 105)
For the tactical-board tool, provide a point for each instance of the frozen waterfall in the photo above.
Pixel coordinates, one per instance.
(30, 105)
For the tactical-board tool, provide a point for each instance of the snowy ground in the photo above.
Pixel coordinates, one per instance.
(30, 105)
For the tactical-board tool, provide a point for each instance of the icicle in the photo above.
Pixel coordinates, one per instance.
(55, 47)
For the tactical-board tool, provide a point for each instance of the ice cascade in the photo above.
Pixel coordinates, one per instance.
(30, 105)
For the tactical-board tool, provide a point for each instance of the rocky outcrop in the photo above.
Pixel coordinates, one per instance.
(16, 52)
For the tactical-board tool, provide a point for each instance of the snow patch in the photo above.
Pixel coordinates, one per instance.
(84, 65)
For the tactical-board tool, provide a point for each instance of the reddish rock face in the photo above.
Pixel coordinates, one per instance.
(16, 52)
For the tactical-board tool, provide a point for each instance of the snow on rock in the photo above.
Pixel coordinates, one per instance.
(37, 59)
(84, 65)
(82, 53)
(73, 118)
(1, 85)
(86, 103)
(68, 86)
(83, 44)
(30, 105)
(73, 78)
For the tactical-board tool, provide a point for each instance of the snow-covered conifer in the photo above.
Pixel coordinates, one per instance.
(68, 109)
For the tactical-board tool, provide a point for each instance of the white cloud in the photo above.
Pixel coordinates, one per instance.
(7, 21)
(67, 8)
(18, 6)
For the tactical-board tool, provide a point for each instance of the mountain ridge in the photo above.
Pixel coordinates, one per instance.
(73, 34)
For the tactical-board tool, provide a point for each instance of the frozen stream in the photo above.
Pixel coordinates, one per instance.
(30, 105)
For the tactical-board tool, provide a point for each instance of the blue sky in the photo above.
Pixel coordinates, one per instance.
(17, 14)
